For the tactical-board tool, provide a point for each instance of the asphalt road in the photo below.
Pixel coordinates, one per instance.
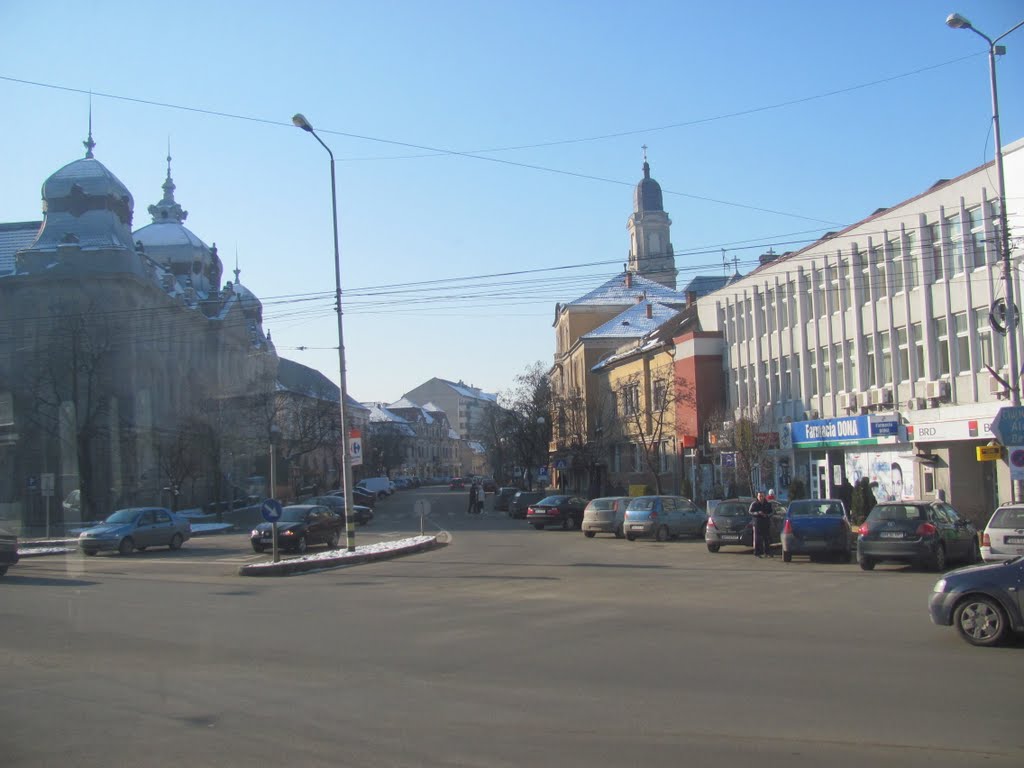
(509, 647)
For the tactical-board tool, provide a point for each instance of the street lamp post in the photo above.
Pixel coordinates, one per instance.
(350, 531)
(956, 21)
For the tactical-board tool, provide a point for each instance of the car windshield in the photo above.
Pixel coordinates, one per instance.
(123, 516)
(896, 513)
(815, 509)
(733, 509)
(1007, 517)
(552, 501)
(604, 505)
(294, 514)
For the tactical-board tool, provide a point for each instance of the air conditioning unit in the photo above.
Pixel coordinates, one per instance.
(847, 401)
(883, 396)
(863, 399)
(937, 390)
(917, 404)
(810, 415)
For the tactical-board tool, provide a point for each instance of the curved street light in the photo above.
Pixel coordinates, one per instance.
(300, 121)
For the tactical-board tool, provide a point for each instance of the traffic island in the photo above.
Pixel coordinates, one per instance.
(337, 558)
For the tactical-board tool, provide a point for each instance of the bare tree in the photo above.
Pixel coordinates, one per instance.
(522, 423)
(584, 432)
(747, 437)
(181, 453)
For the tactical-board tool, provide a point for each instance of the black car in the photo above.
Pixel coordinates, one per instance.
(361, 515)
(8, 550)
(929, 533)
(985, 603)
(300, 526)
(359, 496)
(561, 509)
(730, 524)
(517, 504)
(503, 497)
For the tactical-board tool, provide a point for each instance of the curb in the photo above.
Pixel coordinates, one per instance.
(302, 565)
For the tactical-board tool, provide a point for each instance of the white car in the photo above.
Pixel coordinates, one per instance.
(1004, 535)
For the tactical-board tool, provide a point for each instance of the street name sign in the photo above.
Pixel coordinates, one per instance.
(1008, 425)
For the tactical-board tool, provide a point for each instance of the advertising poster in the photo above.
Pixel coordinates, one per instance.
(891, 475)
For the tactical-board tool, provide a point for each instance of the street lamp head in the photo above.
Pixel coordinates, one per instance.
(301, 122)
(956, 21)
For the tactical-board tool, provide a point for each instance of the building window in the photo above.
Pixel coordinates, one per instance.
(886, 348)
(942, 339)
(793, 299)
(935, 246)
(784, 387)
(826, 373)
(638, 457)
(954, 237)
(877, 269)
(917, 336)
(658, 395)
(837, 355)
(910, 258)
(843, 293)
(963, 342)
(976, 225)
(665, 455)
(896, 259)
(631, 399)
(903, 345)
(983, 331)
(767, 326)
(812, 366)
(783, 307)
(616, 458)
(748, 310)
(869, 360)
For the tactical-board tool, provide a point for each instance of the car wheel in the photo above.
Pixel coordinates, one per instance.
(662, 534)
(589, 534)
(176, 541)
(89, 552)
(618, 532)
(938, 562)
(787, 557)
(630, 537)
(301, 545)
(538, 526)
(258, 548)
(866, 563)
(569, 523)
(126, 546)
(714, 547)
(980, 621)
(333, 539)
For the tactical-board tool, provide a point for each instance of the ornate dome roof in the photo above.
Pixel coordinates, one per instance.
(647, 195)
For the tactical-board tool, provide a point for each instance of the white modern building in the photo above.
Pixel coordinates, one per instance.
(868, 351)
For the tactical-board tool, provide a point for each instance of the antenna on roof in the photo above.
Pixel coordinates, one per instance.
(725, 263)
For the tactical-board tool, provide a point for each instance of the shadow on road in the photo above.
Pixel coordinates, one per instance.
(41, 581)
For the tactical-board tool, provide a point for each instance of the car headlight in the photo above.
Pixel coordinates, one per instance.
(254, 533)
(940, 586)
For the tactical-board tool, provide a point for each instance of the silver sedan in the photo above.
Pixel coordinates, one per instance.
(136, 528)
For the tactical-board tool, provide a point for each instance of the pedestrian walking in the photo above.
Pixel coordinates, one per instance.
(481, 496)
(761, 511)
(472, 499)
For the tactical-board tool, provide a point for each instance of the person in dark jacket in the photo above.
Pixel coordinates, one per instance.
(472, 498)
(761, 511)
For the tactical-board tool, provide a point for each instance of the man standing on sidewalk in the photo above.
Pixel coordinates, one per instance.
(761, 511)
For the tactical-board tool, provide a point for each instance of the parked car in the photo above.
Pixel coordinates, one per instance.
(503, 497)
(360, 514)
(605, 515)
(930, 533)
(456, 484)
(562, 510)
(985, 603)
(817, 527)
(1003, 538)
(489, 485)
(136, 528)
(730, 524)
(379, 486)
(662, 518)
(359, 497)
(8, 550)
(299, 527)
(523, 499)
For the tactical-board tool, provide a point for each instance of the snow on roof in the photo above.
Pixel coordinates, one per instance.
(453, 435)
(476, 447)
(14, 237)
(633, 323)
(615, 291)
(404, 403)
(702, 285)
(467, 390)
(381, 416)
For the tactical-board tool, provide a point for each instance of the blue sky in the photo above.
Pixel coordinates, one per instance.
(452, 263)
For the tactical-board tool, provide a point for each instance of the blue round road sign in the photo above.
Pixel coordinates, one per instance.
(271, 509)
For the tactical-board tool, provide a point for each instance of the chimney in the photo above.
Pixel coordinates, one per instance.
(629, 279)
(650, 314)
(691, 298)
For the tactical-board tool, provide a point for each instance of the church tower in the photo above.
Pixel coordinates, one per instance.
(650, 251)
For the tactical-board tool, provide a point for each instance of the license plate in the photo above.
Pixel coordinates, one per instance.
(636, 527)
(891, 535)
(1015, 539)
(730, 537)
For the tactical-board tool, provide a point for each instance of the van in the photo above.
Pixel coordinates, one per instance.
(378, 486)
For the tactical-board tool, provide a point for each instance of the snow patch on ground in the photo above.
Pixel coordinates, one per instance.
(36, 551)
(340, 555)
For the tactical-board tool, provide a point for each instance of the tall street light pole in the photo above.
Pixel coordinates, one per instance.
(956, 21)
(350, 531)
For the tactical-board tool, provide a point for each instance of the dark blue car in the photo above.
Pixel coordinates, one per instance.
(984, 602)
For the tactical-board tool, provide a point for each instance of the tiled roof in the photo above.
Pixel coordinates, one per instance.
(14, 237)
(633, 323)
(615, 291)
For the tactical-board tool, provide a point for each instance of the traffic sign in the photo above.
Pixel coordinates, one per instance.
(1016, 455)
(1008, 425)
(271, 510)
